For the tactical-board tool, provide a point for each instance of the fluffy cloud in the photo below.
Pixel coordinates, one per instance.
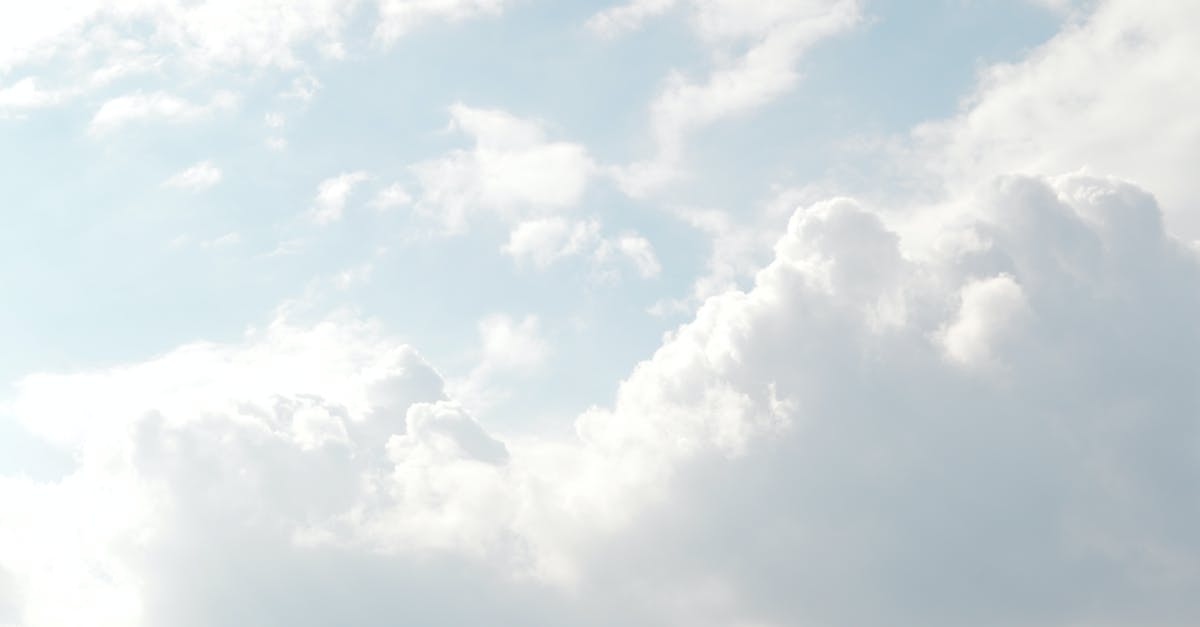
(514, 172)
(874, 457)
(1113, 93)
(201, 176)
(740, 245)
(999, 425)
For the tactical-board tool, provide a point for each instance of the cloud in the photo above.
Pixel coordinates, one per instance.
(154, 106)
(398, 17)
(755, 51)
(637, 250)
(825, 435)
(391, 197)
(627, 17)
(198, 177)
(543, 242)
(24, 95)
(258, 33)
(509, 349)
(95, 42)
(509, 345)
(990, 308)
(740, 245)
(332, 194)
(1050, 113)
(512, 169)
(867, 449)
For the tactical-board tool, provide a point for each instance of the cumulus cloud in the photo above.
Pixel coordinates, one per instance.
(201, 176)
(1049, 113)
(825, 435)
(332, 194)
(990, 307)
(991, 419)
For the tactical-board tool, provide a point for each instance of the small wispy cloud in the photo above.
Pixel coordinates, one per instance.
(199, 177)
(332, 194)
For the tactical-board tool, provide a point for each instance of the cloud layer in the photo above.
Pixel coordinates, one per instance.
(944, 433)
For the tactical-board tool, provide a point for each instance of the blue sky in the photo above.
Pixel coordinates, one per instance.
(91, 245)
(483, 293)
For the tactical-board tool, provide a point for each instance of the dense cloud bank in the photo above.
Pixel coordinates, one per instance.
(998, 427)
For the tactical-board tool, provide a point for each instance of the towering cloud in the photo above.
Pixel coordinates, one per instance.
(1001, 425)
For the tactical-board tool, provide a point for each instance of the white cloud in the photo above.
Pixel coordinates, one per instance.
(638, 251)
(755, 48)
(398, 17)
(258, 33)
(822, 436)
(516, 173)
(24, 95)
(96, 42)
(332, 194)
(546, 241)
(512, 169)
(626, 17)
(154, 106)
(740, 245)
(198, 177)
(990, 307)
(508, 349)
(509, 345)
(391, 197)
(1114, 93)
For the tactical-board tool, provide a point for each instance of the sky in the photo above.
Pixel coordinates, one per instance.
(656, 313)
